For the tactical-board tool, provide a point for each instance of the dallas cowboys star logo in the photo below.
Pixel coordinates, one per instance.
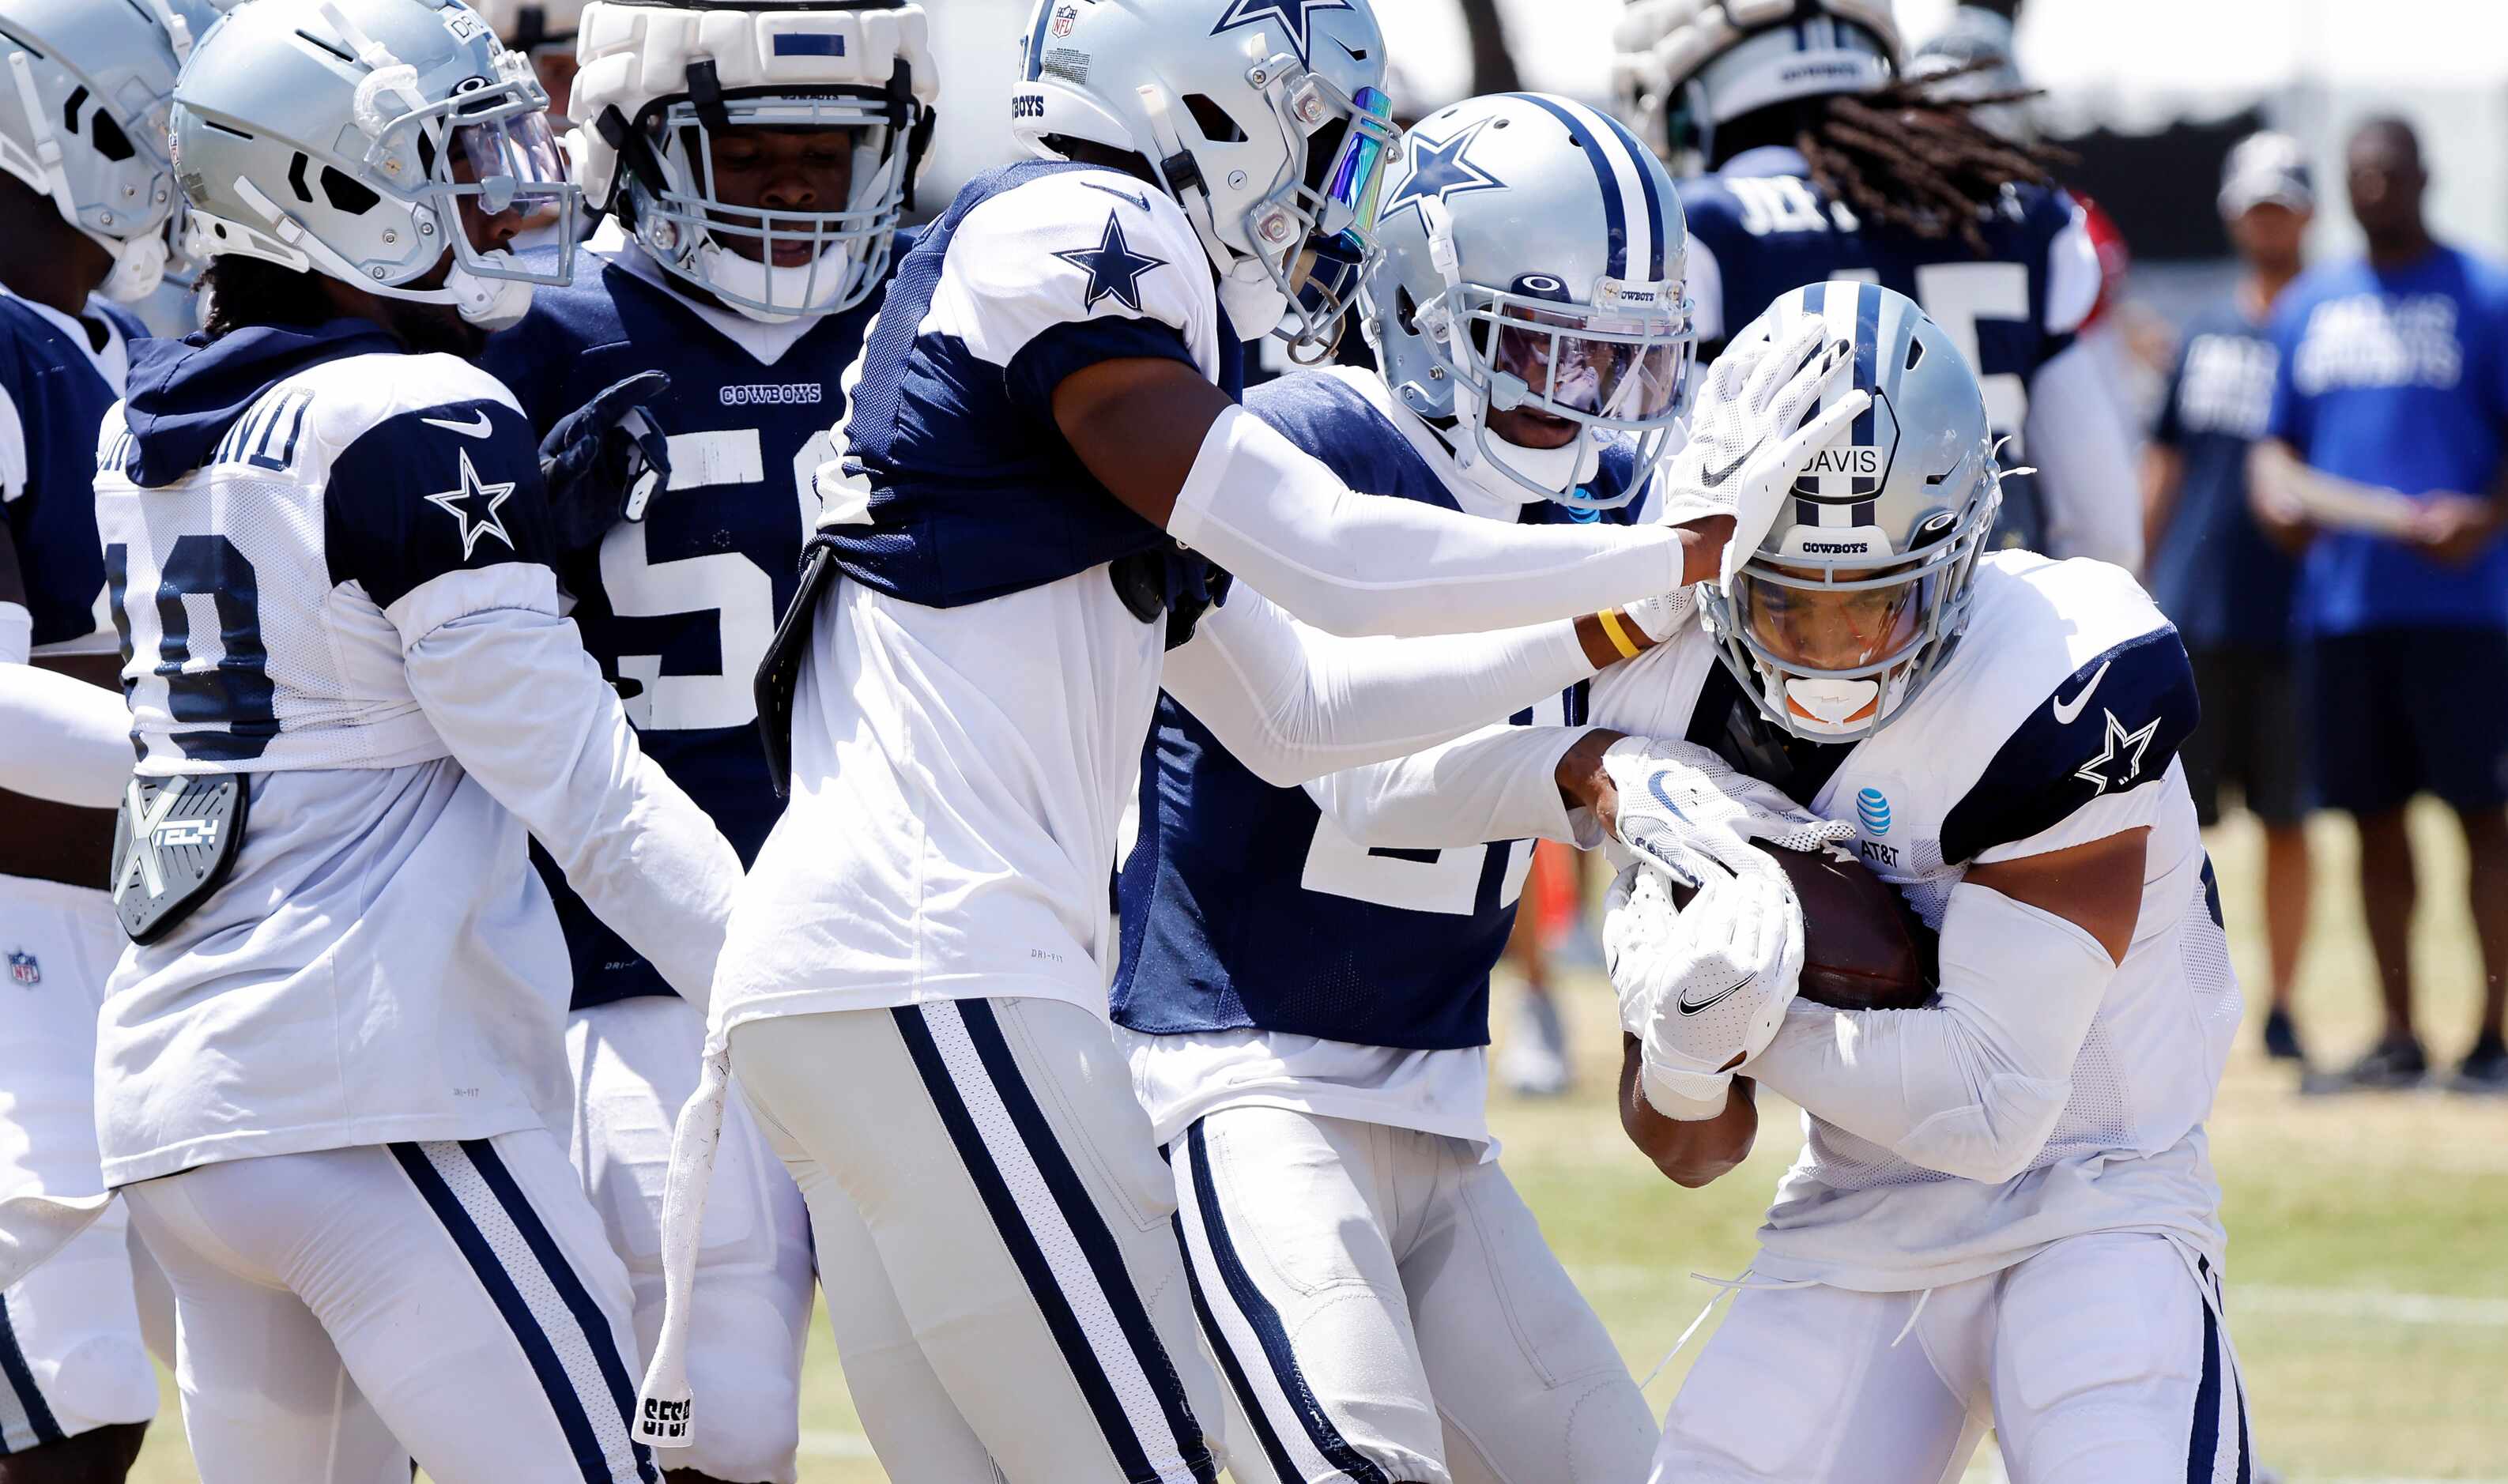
(1114, 270)
(1438, 168)
(1294, 16)
(473, 507)
(2119, 746)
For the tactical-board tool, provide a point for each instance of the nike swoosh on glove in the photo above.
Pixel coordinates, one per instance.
(604, 461)
(1703, 988)
(1671, 791)
(1749, 443)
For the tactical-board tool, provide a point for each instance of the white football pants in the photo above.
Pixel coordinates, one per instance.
(71, 1355)
(2102, 1359)
(343, 1310)
(636, 1064)
(1384, 1310)
(1023, 1305)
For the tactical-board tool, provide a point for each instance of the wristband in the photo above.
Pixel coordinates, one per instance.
(1610, 619)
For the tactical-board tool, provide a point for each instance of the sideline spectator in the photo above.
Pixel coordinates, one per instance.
(2228, 587)
(2393, 375)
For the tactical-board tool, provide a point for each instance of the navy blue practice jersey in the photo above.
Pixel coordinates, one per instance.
(680, 606)
(1243, 905)
(56, 385)
(1760, 229)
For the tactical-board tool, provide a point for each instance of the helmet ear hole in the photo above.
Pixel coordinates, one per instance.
(1915, 352)
(1406, 310)
(1212, 120)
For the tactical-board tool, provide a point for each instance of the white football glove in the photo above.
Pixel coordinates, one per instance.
(1748, 442)
(1702, 988)
(1671, 792)
(1661, 616)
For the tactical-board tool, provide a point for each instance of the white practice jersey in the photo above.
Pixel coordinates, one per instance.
(326, 562)
(2053, 723)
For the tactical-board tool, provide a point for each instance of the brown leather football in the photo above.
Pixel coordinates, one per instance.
(1864, 947)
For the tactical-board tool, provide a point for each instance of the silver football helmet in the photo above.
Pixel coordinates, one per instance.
(83, 120)
(658, 82)
(1267, 120)
(1532, 258)
(359, 139)
(1858, 593)
(1682, 67)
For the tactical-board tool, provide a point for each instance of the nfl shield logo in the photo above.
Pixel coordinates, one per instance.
(1063, 17)
(24, 969)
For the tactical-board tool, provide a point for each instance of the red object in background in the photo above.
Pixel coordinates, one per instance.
(2115, 258)
(1550, 889)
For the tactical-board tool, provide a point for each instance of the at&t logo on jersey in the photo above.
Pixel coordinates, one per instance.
(1872, 806)
(24, 969)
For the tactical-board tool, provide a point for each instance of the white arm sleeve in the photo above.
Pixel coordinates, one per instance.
(2077, 436)
(1292, 702)
(1496, 783)
(508, 686)
(1353, 564)
(1971, 1087)
(60, 738)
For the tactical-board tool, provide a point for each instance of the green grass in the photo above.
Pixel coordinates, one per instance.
(2330, 1202)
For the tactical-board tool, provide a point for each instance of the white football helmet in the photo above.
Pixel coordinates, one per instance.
(351, 138)
(1267, 120)
(658, 80)
(1860, 589)
(83, 120)
(1532, 258)
(1682, 67)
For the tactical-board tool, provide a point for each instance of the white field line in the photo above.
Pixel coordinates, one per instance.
(2366, 1304)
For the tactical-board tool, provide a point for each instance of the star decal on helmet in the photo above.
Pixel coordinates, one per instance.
(2120, 760)
(1114, 269)
(1439, 169)
(1293, 17)
(473, 507)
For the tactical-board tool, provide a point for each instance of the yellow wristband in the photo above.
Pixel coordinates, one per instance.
(1619, 636)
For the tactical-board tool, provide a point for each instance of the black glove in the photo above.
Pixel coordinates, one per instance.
(604, 461)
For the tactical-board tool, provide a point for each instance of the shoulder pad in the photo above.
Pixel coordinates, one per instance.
(422, 491)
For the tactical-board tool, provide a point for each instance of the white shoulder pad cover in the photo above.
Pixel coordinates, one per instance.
(1074, 247)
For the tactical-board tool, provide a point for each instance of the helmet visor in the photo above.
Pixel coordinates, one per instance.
(508, 178)
(1567, 365)
(1812, 626)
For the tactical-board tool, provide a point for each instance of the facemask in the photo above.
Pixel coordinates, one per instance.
(806, 287)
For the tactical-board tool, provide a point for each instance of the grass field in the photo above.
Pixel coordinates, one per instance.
(2369, 1236)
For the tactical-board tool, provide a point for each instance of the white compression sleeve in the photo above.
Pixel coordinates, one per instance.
(2080, 441)
(1971, 1087)
(1354, 564)
(526, 711)
(1292, 702)
(1496, 783)
(62, 739)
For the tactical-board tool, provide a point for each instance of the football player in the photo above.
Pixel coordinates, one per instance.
(1825, 165)
(1307, 1018)
(913, 993)
(759, 160)
(331, 1066)
(2021, 1170)
(89, 188)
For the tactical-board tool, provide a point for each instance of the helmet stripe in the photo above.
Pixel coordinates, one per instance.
(1659, 233)
(1614, 208)
(1036, 40)
(1867, 352)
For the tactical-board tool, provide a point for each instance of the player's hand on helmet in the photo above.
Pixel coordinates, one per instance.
(1661, 616)
(1702, 988)
(604, 461)
(1673, 799)
(1748, 442)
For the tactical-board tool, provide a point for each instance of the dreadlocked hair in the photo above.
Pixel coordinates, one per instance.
(1917, 158)
(254, 291)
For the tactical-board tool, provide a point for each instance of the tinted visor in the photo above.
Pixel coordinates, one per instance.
(508, 165)
(1565, 363)
(1828, 629)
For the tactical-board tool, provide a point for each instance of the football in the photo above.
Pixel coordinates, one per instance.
(1864, 947)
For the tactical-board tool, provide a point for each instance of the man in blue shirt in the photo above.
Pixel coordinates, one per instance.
(2212, 569)
(2394, 372)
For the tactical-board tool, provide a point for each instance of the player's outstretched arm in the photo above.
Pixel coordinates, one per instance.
(461, 575)
(1973, 1086)
(2079, 440)
(60, 738)
(1501, 782)
(1175, 449)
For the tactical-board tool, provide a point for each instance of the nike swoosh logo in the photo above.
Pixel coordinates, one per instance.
(1717, 998)
(1654, 785)
(478, 429)
(1716, 476)
(2064, 712)
(1136, 199)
